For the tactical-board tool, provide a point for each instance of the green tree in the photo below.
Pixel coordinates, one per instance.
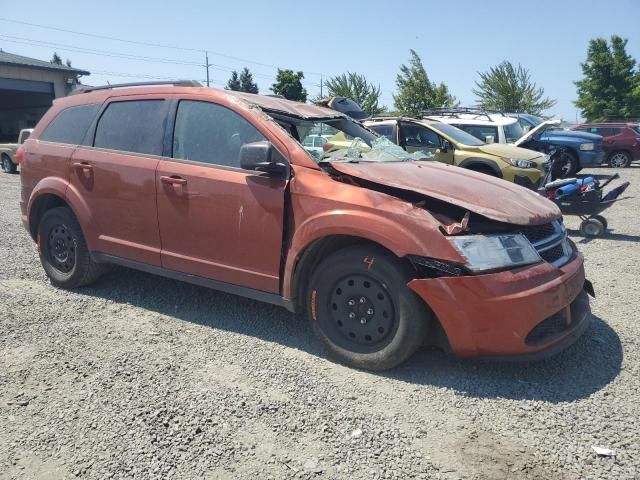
(416, 92)
(610, 88)
(510, 89)
(356, 87)
(289, 85)
(234, 82)
(246, 82)
(56, 59)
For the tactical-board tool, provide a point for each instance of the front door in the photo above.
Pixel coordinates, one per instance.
(217, 220)
(416, 138)
(115, 177)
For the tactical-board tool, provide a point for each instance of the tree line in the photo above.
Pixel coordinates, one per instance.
(608, 90)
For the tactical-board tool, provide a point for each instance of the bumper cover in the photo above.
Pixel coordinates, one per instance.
(492, 314)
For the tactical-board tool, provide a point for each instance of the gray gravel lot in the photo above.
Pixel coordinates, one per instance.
(144, 377)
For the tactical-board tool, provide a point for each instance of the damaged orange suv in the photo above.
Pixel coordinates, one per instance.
(382, 252)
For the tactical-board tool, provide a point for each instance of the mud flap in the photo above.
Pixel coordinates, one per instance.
(588, 287)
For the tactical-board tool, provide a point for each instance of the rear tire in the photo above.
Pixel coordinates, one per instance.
(7, 165)
(63, 250)
(619, 159)
(361, 309)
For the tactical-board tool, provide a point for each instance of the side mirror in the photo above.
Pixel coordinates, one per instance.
(489, 139)
(262, 157)
(445, 146)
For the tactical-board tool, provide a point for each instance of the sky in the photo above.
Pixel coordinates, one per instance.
(455, 39)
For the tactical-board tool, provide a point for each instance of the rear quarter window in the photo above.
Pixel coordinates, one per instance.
(385, 130)
(71, 124)
(135, 126)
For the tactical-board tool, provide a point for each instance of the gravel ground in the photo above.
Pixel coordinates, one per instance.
(144, 377)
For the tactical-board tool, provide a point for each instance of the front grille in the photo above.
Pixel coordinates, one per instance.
(553, 254)
(547, 329)
(538, 232)
(550, 242)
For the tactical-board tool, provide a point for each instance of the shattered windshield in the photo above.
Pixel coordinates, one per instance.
(344, 140)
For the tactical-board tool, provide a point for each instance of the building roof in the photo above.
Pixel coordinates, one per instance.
(11, 59)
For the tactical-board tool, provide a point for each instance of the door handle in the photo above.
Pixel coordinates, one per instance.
(173, 180)
(83, 166)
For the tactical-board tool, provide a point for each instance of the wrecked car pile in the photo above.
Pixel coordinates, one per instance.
(380, 251)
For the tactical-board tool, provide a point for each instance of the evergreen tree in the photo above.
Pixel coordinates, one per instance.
(234, 82)
(416, 92)
(246, 82)
(610, 88)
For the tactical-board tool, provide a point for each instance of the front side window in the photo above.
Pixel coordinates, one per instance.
(513, 132)
(419, 137)
(135, 126)
(210, 133)
(70, 125)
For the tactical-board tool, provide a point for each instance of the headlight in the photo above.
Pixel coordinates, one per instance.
(519, 163)
(586, 146)
(490, 252)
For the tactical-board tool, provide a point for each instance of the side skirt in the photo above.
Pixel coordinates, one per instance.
(251, 293)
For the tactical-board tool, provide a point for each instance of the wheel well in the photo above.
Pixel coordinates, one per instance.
(311, 257)
(40, 207)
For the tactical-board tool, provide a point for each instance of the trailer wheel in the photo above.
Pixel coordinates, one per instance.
(603, 221)
(591, 228)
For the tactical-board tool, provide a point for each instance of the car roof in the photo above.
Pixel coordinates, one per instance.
(268, 103)
(372, 121)
(473, 119)
(608, 124)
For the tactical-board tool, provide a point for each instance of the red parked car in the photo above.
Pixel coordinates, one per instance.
(621, 141)
(380, 253)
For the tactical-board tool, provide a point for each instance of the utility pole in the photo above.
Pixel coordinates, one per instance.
(206, 58)
(320, 86)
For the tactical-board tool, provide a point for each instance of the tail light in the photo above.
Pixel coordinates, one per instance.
(20, 155)
(327, 146)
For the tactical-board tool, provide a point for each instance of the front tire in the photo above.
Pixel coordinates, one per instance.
(566, 165)
(63, 250)
(361, 309)
(7, 165)
(619, 160)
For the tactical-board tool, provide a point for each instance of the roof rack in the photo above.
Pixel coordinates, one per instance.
(456, 111)
(382, 118)
(175, 83)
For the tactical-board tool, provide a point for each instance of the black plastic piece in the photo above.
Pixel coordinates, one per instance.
(175, 83)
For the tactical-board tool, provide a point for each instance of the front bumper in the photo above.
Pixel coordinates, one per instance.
(590, 158)
(496, 314)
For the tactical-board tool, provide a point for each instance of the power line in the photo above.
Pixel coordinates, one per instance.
(107, 53)
(148, 44)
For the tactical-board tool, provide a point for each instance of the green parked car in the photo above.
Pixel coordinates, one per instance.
(451, 145)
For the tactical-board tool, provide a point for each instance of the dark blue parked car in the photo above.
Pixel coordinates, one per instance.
(576, 150)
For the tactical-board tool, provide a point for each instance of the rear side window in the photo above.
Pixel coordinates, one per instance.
(210, 133)
(385, 130)
(71, 124)
(481, 132)
(135, 126)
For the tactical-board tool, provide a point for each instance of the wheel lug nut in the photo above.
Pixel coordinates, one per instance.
(351, 303)
(362, 299)
(352, 315)
(370, 311)
(363, 321)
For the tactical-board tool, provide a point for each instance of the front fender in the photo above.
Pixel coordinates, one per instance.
(413, 235)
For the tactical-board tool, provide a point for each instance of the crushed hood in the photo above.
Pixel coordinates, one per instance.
(479, 193)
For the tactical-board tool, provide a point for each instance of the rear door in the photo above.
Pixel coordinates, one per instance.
(217, 220)
(115, 177)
